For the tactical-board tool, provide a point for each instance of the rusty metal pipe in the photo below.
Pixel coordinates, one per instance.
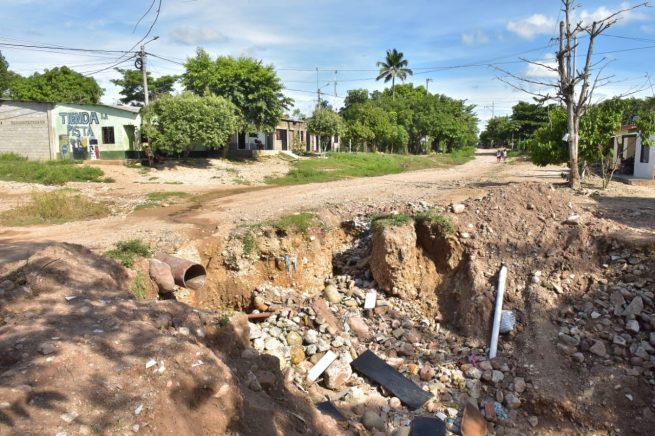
(186, 273)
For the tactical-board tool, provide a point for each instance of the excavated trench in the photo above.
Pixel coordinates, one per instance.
(564, 276)
(421, 261)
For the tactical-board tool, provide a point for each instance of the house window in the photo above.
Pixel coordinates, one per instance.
(302, 136)
(278, 134)
(108, 135)
(645, 151)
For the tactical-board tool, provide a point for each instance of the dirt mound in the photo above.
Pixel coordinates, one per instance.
(411, 261)
(80, 355)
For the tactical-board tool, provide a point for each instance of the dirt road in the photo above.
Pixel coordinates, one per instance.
(219, 210)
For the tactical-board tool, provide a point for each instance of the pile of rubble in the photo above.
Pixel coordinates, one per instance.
(615, 322)
(300, 330)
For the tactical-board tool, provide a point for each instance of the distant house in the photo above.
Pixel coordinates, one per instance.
(290, 134)
(49, 130)
(633, 158)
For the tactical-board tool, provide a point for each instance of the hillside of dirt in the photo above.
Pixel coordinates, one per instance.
(81, 355)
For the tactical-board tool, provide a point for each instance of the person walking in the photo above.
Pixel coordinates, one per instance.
(505, 155)
(498, 155)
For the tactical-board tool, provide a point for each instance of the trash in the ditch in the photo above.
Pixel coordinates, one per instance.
(507, 321)
(473, 423)
(369, 302)
(500, 410)
(427, 426)
(328, 408)
(376, 369)
(321, 366)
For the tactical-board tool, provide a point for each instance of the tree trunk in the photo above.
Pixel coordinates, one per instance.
(393, 87)
(573, 124)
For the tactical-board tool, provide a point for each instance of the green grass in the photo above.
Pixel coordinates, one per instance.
(339, 166)
(444, 223)
(53, 172)
(126, 252)
(300, 222)
(154, 199)
(138, 287)
(389, 220)
(54, 207)
(249, 243)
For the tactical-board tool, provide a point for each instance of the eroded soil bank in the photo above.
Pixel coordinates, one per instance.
(580, 358)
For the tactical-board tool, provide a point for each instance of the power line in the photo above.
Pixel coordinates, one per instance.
(60, 48)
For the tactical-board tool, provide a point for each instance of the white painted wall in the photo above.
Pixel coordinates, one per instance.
(644, 170)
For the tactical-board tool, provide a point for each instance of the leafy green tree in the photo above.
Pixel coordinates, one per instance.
(5, 75)
(500, 131)
(528, 117)
(547, 146)
(325, 124)
(646, 122)
(60, 84)
(597, 129)
(182, 123)
(131, 84)
(394, 65)
(426, 120)
(253, 88)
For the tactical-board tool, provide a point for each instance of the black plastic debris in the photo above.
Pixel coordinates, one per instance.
(376, 369)
(427, 426)
(328, 408)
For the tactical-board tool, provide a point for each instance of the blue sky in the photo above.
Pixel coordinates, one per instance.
(347, 36)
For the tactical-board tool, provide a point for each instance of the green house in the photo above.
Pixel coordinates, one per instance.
(48, 130)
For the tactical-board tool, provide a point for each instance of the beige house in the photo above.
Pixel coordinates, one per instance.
(290, 134)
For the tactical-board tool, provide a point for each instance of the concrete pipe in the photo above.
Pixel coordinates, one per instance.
(186, 273)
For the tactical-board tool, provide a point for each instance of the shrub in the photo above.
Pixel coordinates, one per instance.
(126, 252)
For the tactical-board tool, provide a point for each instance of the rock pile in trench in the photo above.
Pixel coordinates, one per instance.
(453, 370)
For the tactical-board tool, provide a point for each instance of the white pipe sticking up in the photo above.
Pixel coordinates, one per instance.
(502, 277)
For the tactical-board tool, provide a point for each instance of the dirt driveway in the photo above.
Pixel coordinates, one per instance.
(216, 211)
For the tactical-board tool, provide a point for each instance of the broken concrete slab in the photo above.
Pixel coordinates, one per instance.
(376, 369)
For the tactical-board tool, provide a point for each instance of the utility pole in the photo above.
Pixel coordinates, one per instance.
(427, 84)
(318, 90)
(492, 107)
(144, 70)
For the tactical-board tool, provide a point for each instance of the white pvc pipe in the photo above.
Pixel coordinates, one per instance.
(502, 276)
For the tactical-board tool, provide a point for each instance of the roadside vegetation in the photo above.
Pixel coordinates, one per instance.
(156, 199)
(54, 207)
(339, 166)
(127, 252)
(16, 168)
(379, 222)
(443, 222)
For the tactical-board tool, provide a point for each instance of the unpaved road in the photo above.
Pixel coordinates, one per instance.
(219, 210)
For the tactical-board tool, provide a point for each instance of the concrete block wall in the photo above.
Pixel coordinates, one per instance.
(24, 129)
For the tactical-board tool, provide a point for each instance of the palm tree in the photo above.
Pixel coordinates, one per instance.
(394, 65)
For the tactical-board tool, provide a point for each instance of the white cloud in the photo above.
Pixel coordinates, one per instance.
(532, 26)
(475, 38)
(538, 24)
(192, 35)
(539, 71)
(602, 12)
